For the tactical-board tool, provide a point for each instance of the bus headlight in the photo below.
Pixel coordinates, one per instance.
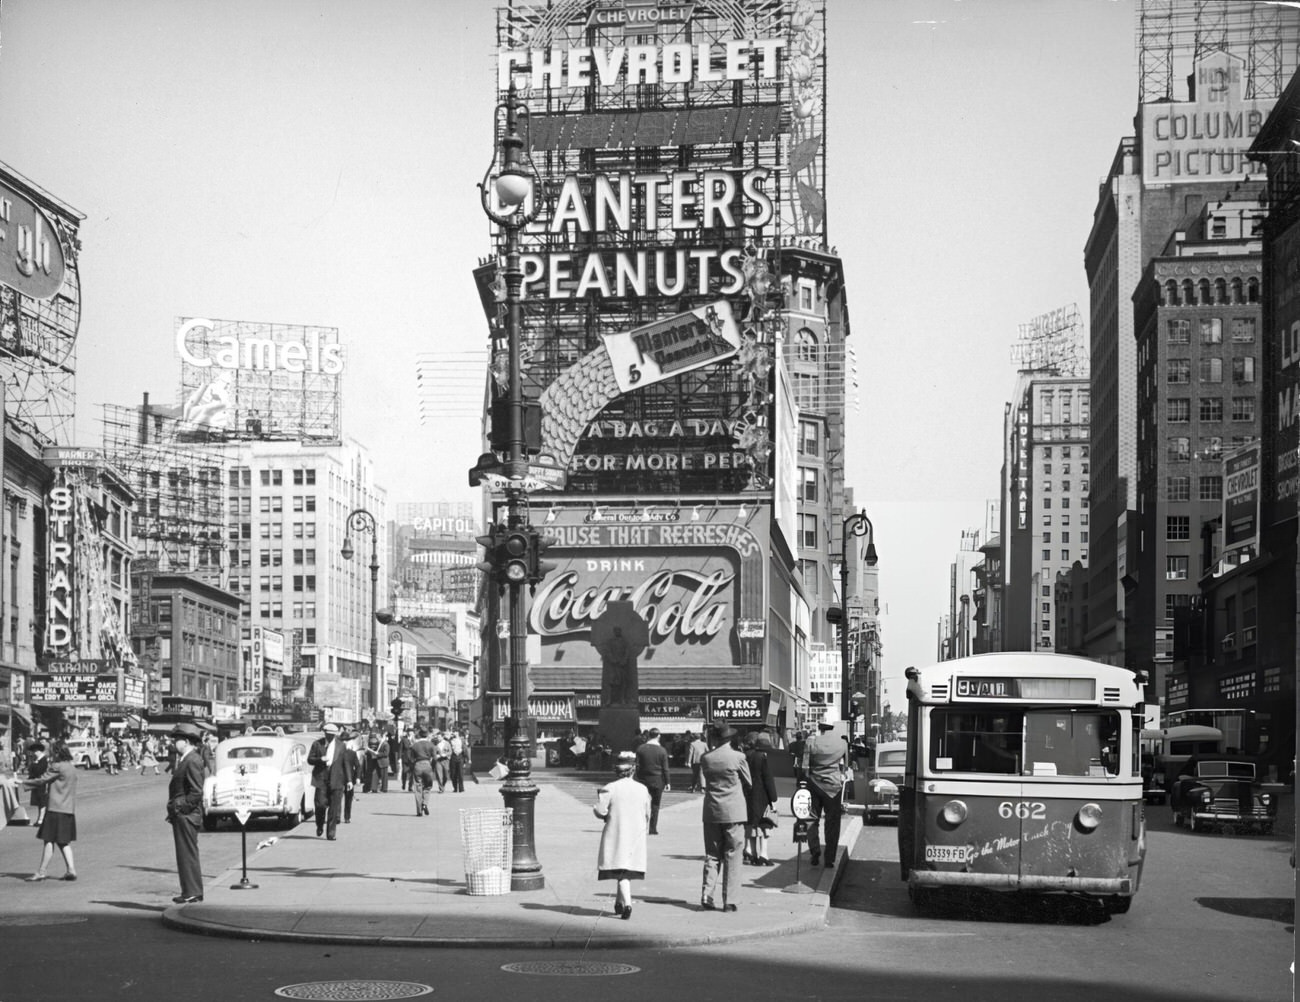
(954, 812)
(1089, 816)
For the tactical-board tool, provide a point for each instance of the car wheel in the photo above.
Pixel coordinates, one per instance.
(868, 818)
(1119, 904)
(209, 823)
(1266, 828)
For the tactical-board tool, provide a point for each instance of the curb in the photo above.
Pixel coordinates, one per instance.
(819, 902)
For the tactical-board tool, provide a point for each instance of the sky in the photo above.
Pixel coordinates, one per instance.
(317, 163)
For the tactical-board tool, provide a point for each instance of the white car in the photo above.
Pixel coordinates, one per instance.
(264, 774)
(85, 752)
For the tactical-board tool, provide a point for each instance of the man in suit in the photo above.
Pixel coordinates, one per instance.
(354, 763)
(331, 777)
(652, 773)
(185, 810)
(824, 760)
(726, 807)
(421, 770)
(695, 751)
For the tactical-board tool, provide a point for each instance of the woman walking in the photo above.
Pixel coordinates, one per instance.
(36, 768)
(110, 756)
(624, 805)
(761, 801)
(148, 757)
(60, 824)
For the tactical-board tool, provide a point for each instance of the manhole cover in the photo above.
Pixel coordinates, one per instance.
(42, 919)
(570, 968)
(354, 991)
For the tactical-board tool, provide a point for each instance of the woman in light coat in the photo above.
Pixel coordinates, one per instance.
(624, 805)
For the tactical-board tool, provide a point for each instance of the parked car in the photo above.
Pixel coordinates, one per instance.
(1222, 790)
(884, 777)
(265, 774)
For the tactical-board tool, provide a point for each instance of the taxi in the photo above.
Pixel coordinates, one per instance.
(264, 775)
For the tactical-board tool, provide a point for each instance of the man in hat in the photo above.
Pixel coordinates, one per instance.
(185, 810)
(331, 777)
(652, 773)
(726, 807)
(824, 761)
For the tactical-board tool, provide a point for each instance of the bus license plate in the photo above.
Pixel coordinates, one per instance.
(945, 853)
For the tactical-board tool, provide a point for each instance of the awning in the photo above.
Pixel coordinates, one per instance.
(674, 725)
(8, 714)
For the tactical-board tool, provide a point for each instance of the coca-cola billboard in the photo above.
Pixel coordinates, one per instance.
(693, 572)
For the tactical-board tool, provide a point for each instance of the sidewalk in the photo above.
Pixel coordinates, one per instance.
(394, 878)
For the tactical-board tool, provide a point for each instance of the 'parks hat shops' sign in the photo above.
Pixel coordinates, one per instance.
(739, 707)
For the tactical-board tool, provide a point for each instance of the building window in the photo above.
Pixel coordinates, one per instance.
(807, 390)
(807, 484)
(1243, 408)
(1178, 527)
(1180, 447)
(1047, 555)
(1176, 568)
(1065, 537)
(1210, 488)
(304, 478)
(1211, 447)
(1243, 370)
(809, 438)
(806, 348)
(1180, 410)
(808, 532)
(1243, 330)
(1210, 370)
(1172, 602)
(1047, 591)
(1211, 409)
(806, 296)
(1178, 331)
(1047, 537)
(1179, 370)
(1178, 488)
(1211, 330)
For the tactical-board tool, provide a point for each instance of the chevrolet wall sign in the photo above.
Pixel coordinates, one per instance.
(640, 17)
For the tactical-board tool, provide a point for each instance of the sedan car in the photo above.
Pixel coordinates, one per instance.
(884, 776)
(1222, 790)
(263, 774)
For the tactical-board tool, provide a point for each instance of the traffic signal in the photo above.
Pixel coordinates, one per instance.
(398, 706)
(516, 547)
(537, 567)
(491, 543)
(499, 426)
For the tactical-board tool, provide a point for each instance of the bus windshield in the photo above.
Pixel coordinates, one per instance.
(1013, 740)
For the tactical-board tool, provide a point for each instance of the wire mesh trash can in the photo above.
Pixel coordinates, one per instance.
(487, 838)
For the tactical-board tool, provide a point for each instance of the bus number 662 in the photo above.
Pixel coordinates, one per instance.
(1023, 809)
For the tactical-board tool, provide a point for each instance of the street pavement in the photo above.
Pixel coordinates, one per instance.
(395, 878)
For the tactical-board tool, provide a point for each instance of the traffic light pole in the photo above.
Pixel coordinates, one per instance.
(518, 792)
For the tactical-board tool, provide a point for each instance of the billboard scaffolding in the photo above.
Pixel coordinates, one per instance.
(179, 485)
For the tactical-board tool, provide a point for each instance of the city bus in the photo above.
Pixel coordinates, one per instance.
(1023, 774)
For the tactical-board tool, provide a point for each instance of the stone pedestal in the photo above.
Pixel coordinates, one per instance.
(620, 725)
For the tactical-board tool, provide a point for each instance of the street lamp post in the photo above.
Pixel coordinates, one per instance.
(361, 520)
(511, 187)
(856, 524)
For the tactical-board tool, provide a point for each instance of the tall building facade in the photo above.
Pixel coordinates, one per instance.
(682, 298)
(1113, 261)
(1046, 518)
(1197, 312)
(288, 505)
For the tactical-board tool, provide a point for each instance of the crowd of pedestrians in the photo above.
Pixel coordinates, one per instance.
(739, 809)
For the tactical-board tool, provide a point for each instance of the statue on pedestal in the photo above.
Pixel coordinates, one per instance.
(619, 636)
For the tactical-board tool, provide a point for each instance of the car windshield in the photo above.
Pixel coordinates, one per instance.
(1225, 770)
(250, 751)
(1031, 742)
